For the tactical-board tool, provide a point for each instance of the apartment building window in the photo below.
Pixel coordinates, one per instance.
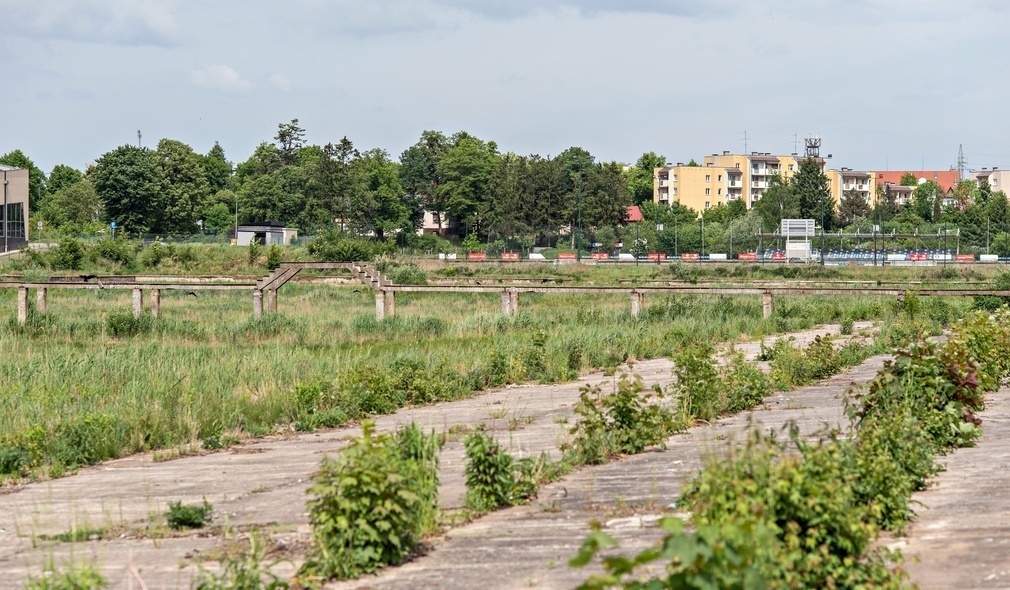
(708, 204)
(790, 167)
(719, 192)
(708, 178)
(720, 178)
(708, 192)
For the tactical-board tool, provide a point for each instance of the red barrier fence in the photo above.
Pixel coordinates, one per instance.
(510, 256)
(476, 256)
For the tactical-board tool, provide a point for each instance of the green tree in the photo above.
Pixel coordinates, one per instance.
(640, 177)
(419, 172)
(290, 139)
(218, 217)
(279, 196)
(852, 206)
(36, 177)
(925, 198)
(465, 170)
(908, 179)
(335, 188)
(266, 159)
(128, 181)
(77, 203)
(184, 186)
(811, 187)
(778, 202)
(61, 177)
(218, 168)
(605, 197)
(385, 207)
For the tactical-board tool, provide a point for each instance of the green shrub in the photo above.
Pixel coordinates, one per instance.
(821, 358)
(724, 557)
(336, 246)
(743, 386)
(118, 250)
(253, 251)
(370, 505)
(188, 516)
(697, 386)
(807, 500)
(121, 322)
(788, 365)
(490, 480)
(622, 422)
(273, 256)
(68, 255)
(407, 274)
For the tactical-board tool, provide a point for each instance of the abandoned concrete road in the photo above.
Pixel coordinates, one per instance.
(263, 483)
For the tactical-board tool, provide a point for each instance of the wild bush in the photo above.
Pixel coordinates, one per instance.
(188, 516)
(743, 385)
(406, 274)
(624, 421)
(121, 322)
(807, 499)
(490, 477)
(821, 358)
(697, 387)
(118, 251)
(68, 255)
(726, 557)
(273, 257)
(788, 365)
(370, 505)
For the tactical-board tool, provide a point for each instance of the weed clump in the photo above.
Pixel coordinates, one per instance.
(188, 516)
(121, 323)
(371, 504)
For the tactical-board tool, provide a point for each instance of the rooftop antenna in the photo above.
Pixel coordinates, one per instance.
(138, 137)
(813, 146)
(796, 144)
(745, 152)
(960, 162)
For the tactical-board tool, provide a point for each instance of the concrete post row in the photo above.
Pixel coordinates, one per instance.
(637, 301)
(22, 305)
(155, 303)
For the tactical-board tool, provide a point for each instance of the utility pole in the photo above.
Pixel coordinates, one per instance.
(138, 137)
(578, 236)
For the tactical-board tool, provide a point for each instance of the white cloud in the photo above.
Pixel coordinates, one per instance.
(220, 77)
(121, 22)
(280, 82)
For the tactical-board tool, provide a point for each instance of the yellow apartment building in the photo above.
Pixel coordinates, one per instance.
(721, 179)
(846, 179)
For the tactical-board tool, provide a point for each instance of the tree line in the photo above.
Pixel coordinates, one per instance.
(467, 183)
(472, 190)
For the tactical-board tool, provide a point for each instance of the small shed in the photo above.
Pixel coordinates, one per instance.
(266, 234)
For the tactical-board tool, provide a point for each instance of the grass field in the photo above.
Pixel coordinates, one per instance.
(86, 381)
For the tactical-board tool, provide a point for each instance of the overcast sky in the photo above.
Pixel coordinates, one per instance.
(888, 83)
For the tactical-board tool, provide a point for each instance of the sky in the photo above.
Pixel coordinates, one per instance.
(887, 84)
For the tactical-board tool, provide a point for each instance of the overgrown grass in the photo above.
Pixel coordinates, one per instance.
(86, 382)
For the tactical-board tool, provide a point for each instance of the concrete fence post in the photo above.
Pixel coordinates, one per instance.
(41, 299)
(257, 303)
(637, 299)
(389, 305)
(138, 302)
(380, 305)
(22, 305)
(272, 300)
(506, 303)
(514, 300)
(155, 303)
(767, 306)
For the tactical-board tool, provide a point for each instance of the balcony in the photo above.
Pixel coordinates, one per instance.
(664, 183)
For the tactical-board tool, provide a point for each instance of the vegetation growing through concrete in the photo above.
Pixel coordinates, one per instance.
(805, 513)
(372, 504)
